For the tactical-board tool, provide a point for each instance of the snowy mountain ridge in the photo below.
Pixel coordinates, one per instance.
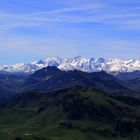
(76, 63)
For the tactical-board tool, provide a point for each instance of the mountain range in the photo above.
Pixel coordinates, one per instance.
(52, 78)
(46, 102)
(77, 63)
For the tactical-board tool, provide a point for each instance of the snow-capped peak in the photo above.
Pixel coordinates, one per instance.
(76, 63)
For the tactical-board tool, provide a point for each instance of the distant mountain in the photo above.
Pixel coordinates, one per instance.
(53, 104)
(125, 76)
(135, 83)
(76, 63)
(52, 78)
(5, 93)
(76, 113)
(9, 86)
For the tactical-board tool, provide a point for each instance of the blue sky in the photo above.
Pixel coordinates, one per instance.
(35, 29)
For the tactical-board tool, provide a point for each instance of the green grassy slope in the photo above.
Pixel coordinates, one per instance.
(71, 114)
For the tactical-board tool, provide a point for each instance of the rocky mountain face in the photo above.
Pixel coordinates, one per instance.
(77, 63)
